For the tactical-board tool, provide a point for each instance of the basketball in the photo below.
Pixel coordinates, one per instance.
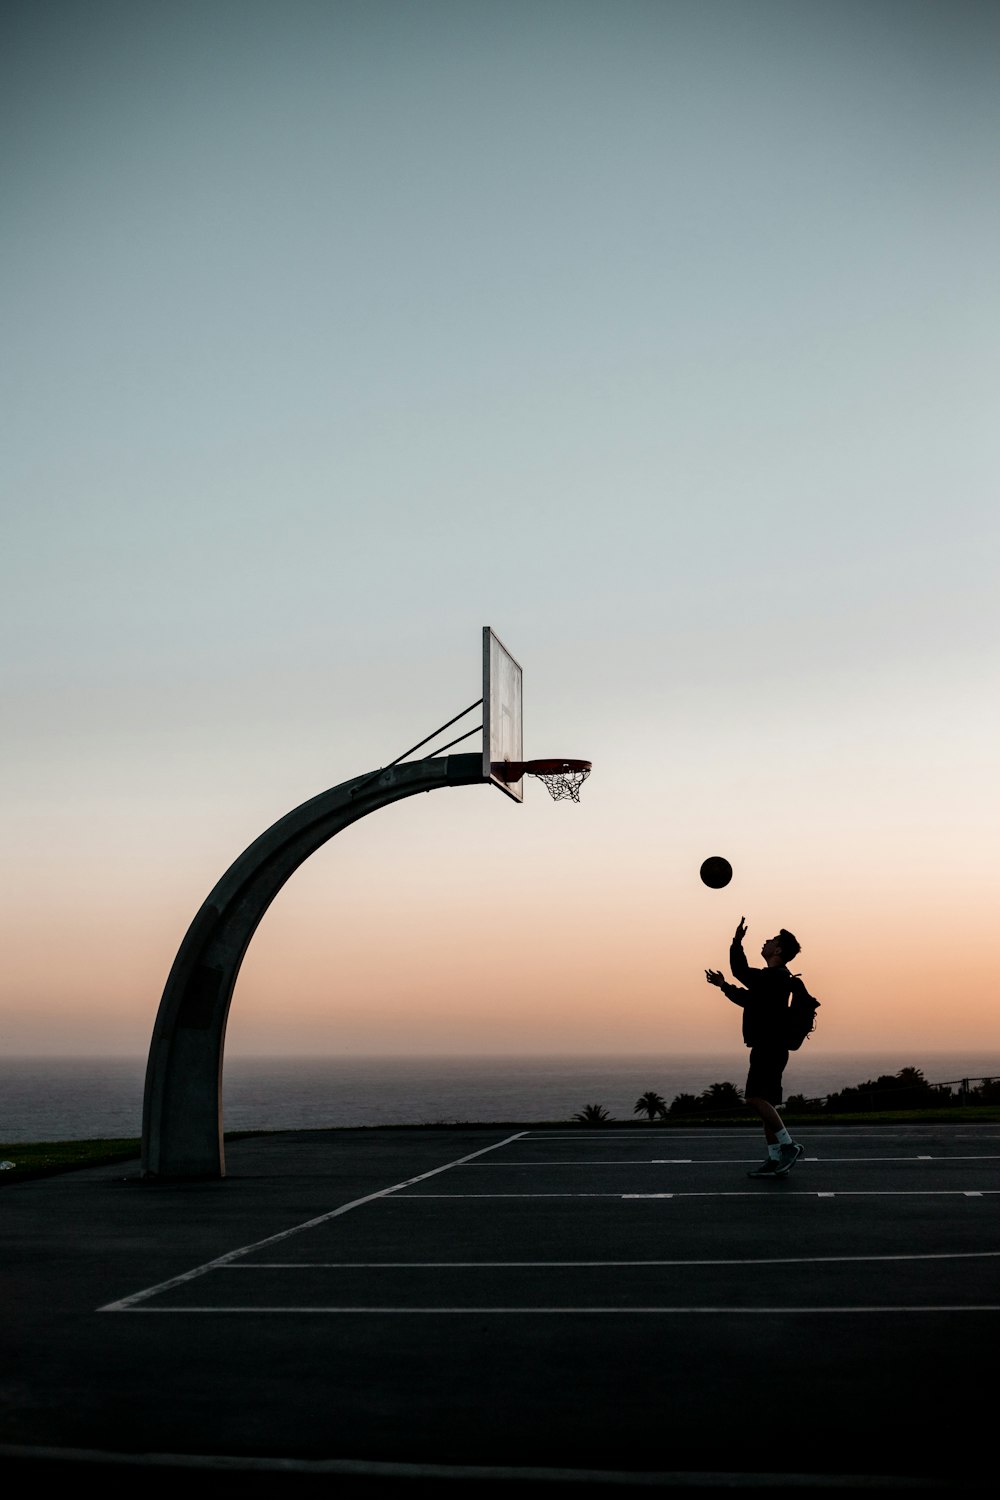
(716, 872)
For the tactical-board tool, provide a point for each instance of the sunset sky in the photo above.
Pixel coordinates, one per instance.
(663, 338)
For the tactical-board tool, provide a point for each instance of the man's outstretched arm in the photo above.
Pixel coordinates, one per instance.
(737, 958)
(731, 991)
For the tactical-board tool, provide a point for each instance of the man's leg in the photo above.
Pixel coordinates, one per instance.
(770, 1117)
(772, 1124)
(781, 1149)
(764, 1084)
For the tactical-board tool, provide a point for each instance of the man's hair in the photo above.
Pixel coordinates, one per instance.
(790, 945)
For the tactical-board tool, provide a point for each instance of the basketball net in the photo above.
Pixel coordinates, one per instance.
(562, 783)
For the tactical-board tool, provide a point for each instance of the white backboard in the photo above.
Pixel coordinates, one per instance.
(502, 735)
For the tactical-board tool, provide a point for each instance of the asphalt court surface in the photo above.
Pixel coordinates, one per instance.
(590, 1300)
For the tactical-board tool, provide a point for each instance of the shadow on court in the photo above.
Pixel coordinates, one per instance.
(508, 1309)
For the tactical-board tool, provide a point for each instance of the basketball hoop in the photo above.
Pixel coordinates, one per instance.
(562, 778)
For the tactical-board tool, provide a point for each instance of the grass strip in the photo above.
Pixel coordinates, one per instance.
(40, 1158)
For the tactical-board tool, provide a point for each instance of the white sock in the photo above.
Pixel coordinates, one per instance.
(774, 1152)
(784, 1139)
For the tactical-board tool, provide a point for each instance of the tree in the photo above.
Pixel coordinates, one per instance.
(907, 1089)
(650, 1104)
(911, 1078)
(721, 1096)
(684, 1104)
(592, 1114)
(858, 1099)
(988, 1091)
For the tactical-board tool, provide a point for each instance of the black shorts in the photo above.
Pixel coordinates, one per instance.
(764, 1078)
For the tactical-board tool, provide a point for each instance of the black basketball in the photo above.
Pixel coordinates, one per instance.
(716, 872)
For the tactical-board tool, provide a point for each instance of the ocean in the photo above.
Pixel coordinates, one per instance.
(48, 1099)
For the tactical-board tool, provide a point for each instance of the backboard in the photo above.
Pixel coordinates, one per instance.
(502, 736)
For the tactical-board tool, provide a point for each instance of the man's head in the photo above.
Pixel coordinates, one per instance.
(781, 949)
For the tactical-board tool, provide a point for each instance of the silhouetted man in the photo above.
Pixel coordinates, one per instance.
(765, 1010)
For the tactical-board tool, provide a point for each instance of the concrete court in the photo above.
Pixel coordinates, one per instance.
(538, 1306)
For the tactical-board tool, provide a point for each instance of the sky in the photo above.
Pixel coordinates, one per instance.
(662, 338)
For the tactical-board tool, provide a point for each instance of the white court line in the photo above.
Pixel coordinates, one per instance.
(711, 1161)
(806, 1193)
(708, 1161)
(460, 1265)
(578, 1312)
(879, 1132)
(742, 1193)
(128, 1304)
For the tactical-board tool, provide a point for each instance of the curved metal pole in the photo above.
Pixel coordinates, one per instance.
(182, 1106)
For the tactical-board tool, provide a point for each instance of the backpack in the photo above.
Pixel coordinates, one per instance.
(800, 1021)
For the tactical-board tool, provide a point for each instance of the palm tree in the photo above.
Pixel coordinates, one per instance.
(592, 1114)
(650, 1104)
(911, 1078)
(721, 1096)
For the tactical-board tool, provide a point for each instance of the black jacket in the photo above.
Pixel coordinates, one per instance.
(764, 1001)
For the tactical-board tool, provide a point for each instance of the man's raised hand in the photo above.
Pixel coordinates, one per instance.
(741, 931)
(714, 977)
